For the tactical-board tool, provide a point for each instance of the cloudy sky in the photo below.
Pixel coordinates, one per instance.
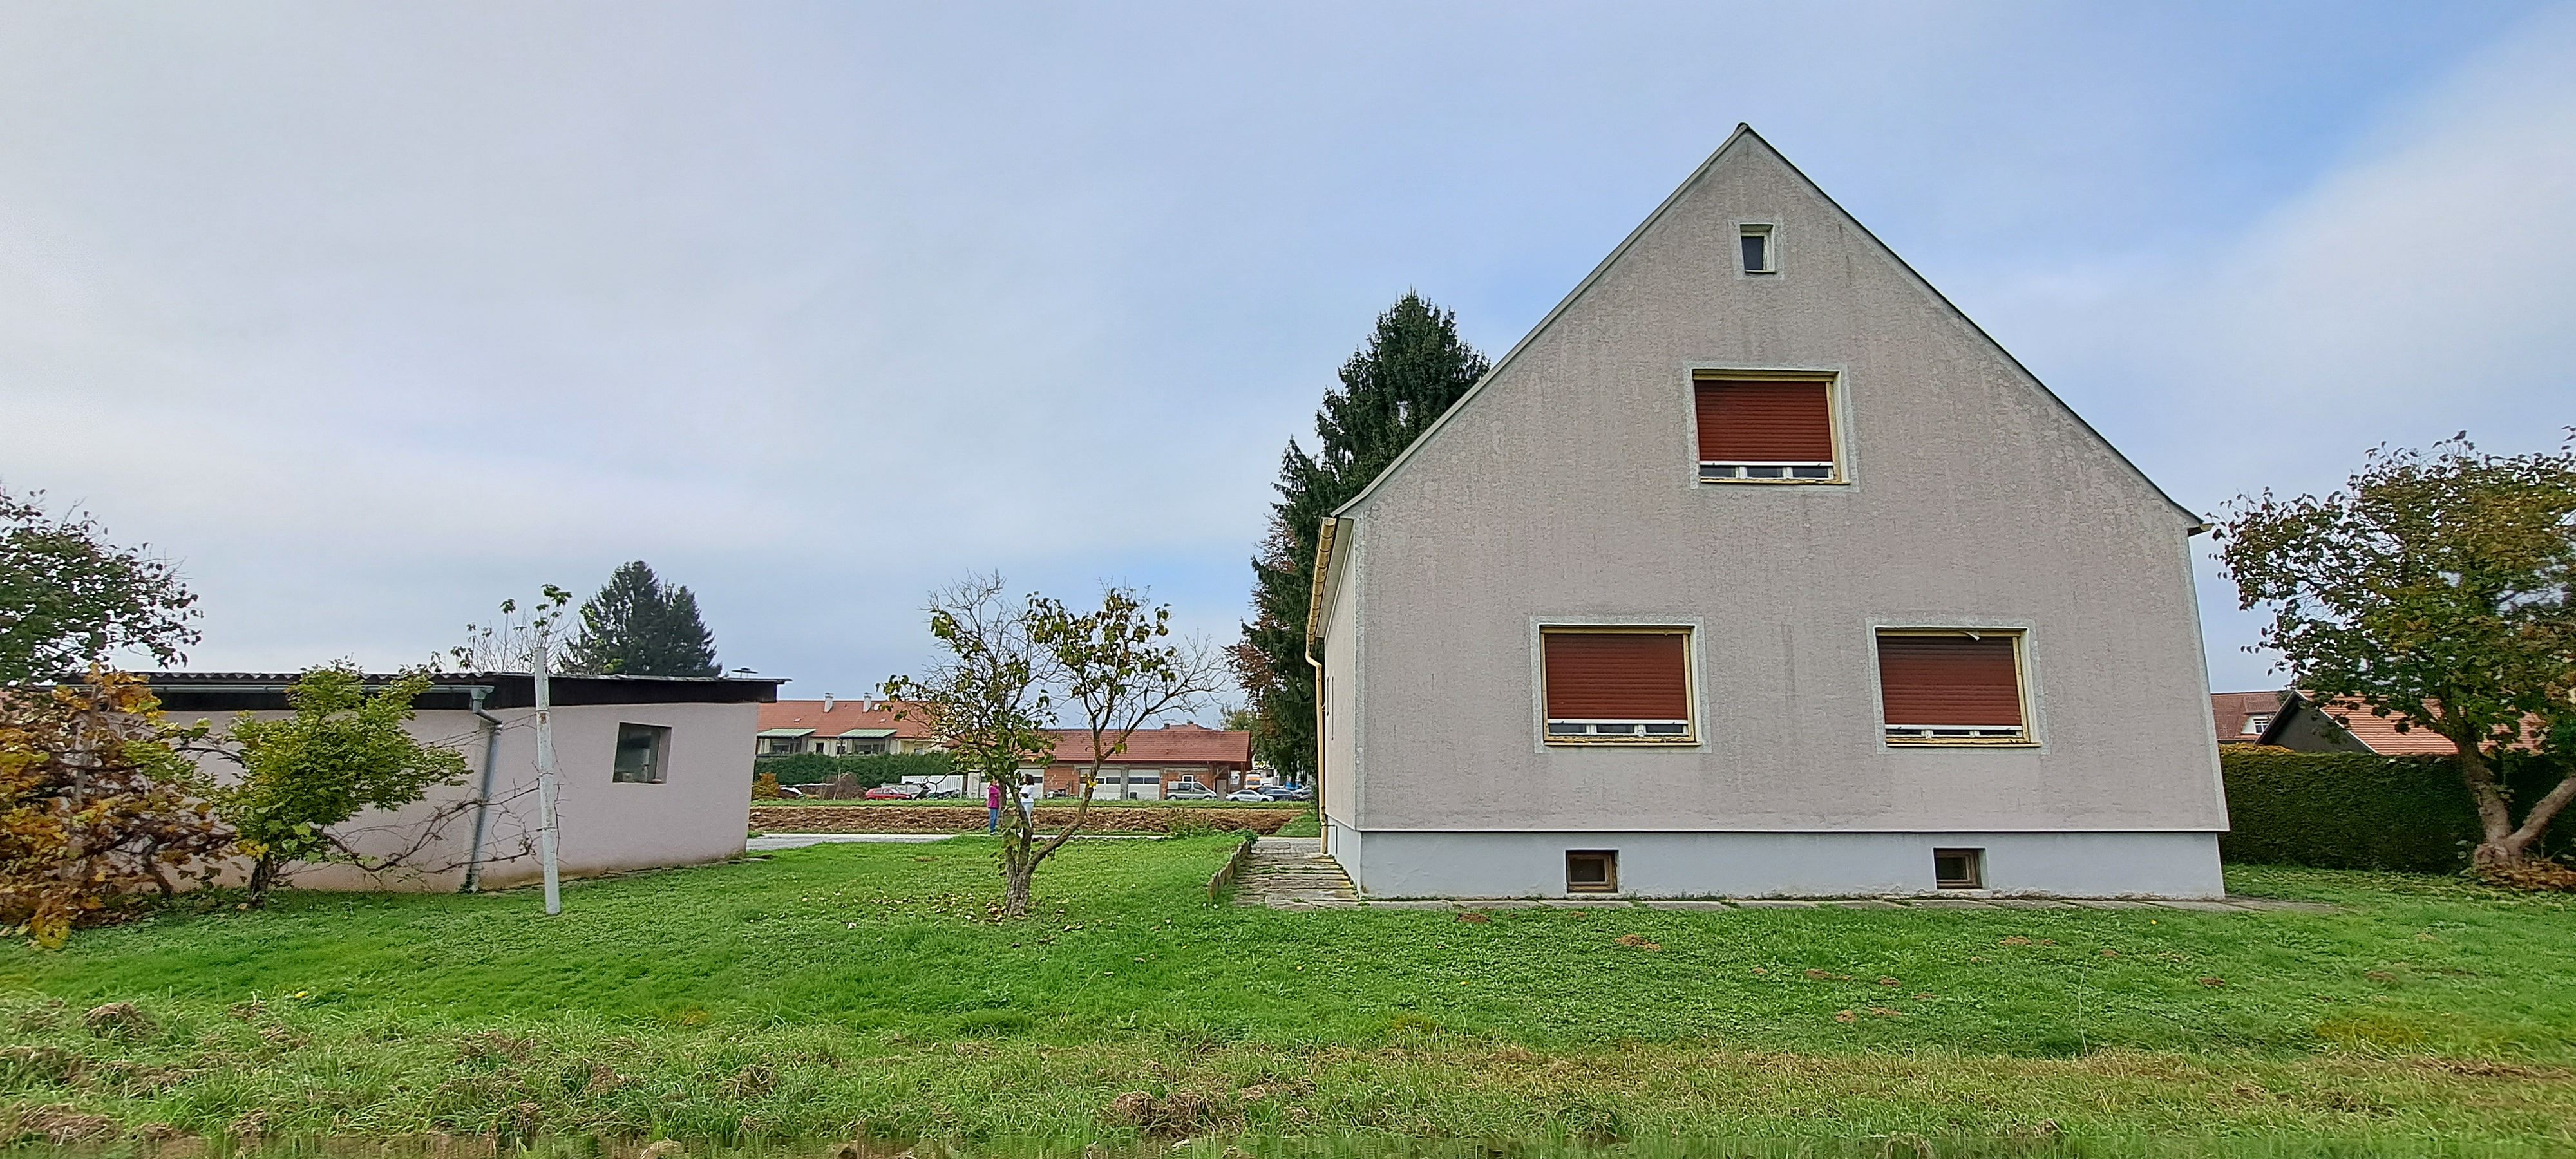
(373, 314)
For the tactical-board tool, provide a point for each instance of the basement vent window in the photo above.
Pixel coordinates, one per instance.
(1764, 429)
(1616, 685)
(1755, 241)
(642, 751)
(1959, 868)
(1592, 871)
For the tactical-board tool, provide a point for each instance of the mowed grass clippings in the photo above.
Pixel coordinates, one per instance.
(839, 989)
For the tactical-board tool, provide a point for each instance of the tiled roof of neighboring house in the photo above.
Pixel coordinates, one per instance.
(866, 717)
(2377, 733)
(2229, 713)
(1171, 744)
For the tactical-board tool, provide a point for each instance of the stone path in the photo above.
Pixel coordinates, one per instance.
(1293, 873)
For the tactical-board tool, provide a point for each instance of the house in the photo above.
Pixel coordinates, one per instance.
(840, 728)
(1153, 759)
(1758, 569)
(2241, 717)
(650, 770)
(2347, 726)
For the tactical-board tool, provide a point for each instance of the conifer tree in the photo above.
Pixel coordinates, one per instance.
(639, 626)
(1410, 369)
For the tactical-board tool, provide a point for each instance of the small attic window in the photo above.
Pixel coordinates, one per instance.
(1756, 243)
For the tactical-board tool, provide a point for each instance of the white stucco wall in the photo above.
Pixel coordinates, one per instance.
(1566, 490)
(699, 813)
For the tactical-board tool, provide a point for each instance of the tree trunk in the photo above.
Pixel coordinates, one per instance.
(263, 874)
(1015, 888)
(2503, 846)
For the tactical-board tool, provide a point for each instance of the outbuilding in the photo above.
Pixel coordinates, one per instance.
(653, 771)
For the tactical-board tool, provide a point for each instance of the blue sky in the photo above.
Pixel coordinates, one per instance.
(372, 315)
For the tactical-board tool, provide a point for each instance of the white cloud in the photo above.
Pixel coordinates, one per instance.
(376, 315)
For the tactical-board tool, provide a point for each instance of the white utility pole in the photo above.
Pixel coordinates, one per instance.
(546, 774)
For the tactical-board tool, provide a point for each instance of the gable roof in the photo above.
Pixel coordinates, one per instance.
(2352, 716)
(2377, 733)
(1174, 743)
(1744, 136)
(2229, 710)
(867, 719)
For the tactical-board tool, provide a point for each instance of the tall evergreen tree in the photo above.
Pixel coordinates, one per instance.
(1408, 372)
(639, 626)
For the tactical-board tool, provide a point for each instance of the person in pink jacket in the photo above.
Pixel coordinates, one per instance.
(993, 806)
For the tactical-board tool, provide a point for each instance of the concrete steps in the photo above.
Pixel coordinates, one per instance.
(1294, 873)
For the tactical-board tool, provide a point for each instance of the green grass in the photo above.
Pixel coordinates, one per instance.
(843, 988)
(977, 802)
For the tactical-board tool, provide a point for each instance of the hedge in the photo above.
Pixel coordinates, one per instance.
(870, 768)
(2362, 811)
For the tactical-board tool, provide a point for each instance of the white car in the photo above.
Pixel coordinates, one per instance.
(1189, 791)
(1253, 795)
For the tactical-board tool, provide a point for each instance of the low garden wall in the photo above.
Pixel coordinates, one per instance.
(964, 818)
(2361, 811)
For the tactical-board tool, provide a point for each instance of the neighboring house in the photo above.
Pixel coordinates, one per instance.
(841, 728)
(1153, 759)
(1758, 569)
(2241, 717)
(2347, 726)
(650, 771)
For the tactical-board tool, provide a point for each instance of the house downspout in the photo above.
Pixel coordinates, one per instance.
(483, 796)
(1323, 824)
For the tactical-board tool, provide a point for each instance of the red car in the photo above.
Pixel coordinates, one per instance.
(894, 792)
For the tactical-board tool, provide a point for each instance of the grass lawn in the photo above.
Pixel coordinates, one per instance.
(977, 802)
(843, 989)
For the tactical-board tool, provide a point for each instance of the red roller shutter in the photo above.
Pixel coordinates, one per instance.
(1764, 422)
(1932, 681)
(1637, 676)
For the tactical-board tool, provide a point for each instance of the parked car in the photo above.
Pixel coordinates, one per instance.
(790, 791)
(1287, 793)
(1189, 791)
(1246, 795)
(894, 793)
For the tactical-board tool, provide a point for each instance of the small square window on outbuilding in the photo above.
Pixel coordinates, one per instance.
(1755, 243)
(1592, 871)
(1959, 868)
(643, 751)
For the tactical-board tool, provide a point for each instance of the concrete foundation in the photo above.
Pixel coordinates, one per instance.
(1412, 863)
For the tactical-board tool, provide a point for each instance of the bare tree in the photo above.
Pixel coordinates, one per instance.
(1011, 666)
(1119, 669)
(509, 644)
(988, 701)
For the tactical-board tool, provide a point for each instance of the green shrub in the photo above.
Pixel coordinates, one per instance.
(2361, 811)
(870, 769)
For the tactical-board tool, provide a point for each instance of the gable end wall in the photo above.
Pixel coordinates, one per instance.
(1564, 489)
